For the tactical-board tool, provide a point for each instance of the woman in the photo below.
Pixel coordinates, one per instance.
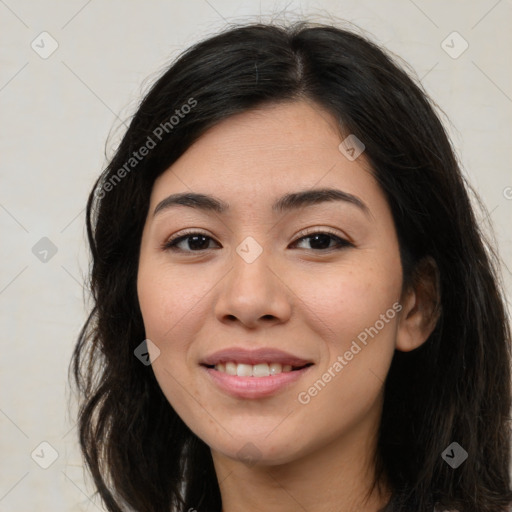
(294, 306)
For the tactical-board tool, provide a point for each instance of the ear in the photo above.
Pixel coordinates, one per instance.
(421, 306)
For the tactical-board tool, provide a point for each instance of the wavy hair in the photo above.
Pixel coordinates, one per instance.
(456, 387)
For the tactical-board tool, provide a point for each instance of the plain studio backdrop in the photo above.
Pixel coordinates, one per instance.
(71, 74)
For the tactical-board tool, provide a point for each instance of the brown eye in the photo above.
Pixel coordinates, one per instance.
(324, 241)
(190, 242)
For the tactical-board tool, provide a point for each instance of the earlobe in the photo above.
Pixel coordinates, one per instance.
(421, 302)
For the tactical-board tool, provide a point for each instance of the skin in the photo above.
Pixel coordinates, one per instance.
(310, 302)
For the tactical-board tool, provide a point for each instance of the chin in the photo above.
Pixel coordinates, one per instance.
(256, 450)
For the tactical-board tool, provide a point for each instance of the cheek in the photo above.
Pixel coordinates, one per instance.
(359, 346)
(174, 307)
(170, 302)
(350, 298)
(167, 312)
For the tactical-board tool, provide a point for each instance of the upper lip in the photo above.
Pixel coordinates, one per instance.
(261, 355)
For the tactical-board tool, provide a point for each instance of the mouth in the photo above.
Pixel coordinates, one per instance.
(251, 374)
(255, 370)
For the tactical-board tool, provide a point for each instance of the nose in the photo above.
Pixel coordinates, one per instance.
(254, 294)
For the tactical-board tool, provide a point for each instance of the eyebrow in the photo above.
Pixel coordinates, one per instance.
(288, 202)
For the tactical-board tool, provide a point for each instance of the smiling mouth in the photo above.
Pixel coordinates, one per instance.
(255, 370)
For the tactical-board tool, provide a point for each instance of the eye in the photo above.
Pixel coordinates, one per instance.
(188, 242)
(195, 241)
(321, 241)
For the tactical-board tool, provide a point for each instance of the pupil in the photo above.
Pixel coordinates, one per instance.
(325, 238)
(192, 242)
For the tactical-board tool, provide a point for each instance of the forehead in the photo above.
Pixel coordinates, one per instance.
(258, 155)
(285, 129)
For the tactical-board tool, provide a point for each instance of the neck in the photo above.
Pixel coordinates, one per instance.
(338, 476)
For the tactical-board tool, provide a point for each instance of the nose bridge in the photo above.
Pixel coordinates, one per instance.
(251, 269)
(252, 290)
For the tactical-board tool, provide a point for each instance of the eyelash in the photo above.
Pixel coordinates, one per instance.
(341, 243)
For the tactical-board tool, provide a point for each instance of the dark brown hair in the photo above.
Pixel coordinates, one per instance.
(454, 388)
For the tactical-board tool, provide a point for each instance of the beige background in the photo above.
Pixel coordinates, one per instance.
(56, 115)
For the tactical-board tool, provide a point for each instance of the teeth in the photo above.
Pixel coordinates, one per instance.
(230, 368)
(244, 370)
(260, 370)
(249, 370)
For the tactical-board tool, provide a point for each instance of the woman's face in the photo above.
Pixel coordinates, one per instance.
(279, 277)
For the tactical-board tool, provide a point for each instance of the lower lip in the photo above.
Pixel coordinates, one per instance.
(254, 387)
